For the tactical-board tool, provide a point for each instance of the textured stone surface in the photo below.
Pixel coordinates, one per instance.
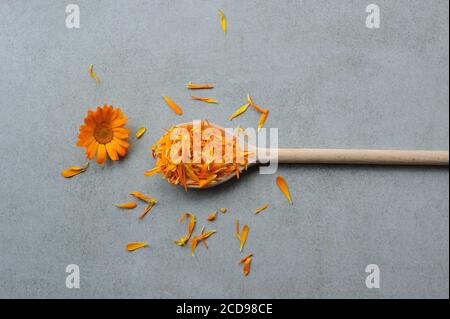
(328, 81)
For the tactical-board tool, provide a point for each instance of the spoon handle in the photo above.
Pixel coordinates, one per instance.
(362, 156)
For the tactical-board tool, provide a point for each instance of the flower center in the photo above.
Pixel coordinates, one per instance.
(103, 134)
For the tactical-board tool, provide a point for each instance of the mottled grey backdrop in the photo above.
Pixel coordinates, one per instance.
(328, 81)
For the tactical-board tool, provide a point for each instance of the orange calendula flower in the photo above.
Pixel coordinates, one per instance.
(103, 133)
(260, 209)
(212, 216)
(239, 111)
(284, 188)
(140, 132)
(247, 260)
(173, 105)
(136, 245)
(92, 74)
(74, 170)
(204, 99)
(192, 86)
(242, 237)
(129, 205)
(192, 220)
(223, 21)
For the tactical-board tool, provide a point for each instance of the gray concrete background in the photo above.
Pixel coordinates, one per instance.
(328, 81)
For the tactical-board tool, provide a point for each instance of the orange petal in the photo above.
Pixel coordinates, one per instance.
(238, 235)
(284, 188)
(260, 209)
(92, 149)
(243, 237)
(193, 86)
(239, 111)
(101, 154)
(246, 268)
(152, 171)
(256, 107)
(146, 210)
(204, 99)
(129, 205)
(223, 21)
(173, 105)
(67, 173)
(212, 216)
(136, 245)
(144, 198)
(245, 258)
(140, 132)
(92, 74)
(223, 210)
(194, 243)
(112, 153)
(262, 118)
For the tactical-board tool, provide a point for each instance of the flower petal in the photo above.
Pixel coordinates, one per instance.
(101, 154)
(173, 105)
(128, 205)
(112, 152)
(284, 188)
(136, 245)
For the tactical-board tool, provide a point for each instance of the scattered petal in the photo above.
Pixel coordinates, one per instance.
(192, 86)
(144, 198)
(223, 210)
(146, 210)
(74, 170)
(204, 99)
(92, 74)
(239, 111)
(223, 21)
(241, 236)
(152, 171)
(202, 237)
(192, 221)
(136, 245)
(284, 188)
(173, 105)
(140, 132)
(247, 260)
(212, 216)
(260, 209)
(256, 107)
(263, 118)
(129, 205)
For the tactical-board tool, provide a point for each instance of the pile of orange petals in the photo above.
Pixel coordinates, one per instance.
(197, 168)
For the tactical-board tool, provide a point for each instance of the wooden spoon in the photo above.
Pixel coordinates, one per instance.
(348, 156)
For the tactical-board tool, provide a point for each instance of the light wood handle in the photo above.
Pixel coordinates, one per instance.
(362, 156)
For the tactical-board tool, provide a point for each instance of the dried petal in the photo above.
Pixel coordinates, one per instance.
(140, 132)
(223, 210)
(204, 99)
(129, 205)
(74, 170)
(241, 236)
(284, 188)
(245, 258)
(262, 118)
(212, 216)
(256, 107)
(144, 198)
(260, 209)
(153, 171)
(173, 105)
(92, 74)
(223, 21)
(193, 86)
(202, 237)
(136, 245)
(239, 111)
(146, 210)
(246, 268)
(192, 221)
